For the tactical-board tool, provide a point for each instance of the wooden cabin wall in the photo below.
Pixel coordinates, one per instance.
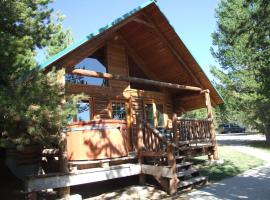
(117, 61)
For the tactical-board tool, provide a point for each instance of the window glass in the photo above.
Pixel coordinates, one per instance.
(83, 111)
(92, 64)
(149, 112)
(118, 110)
(160, 115)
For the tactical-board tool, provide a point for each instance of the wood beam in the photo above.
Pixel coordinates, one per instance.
(58, 180)
(82, 72)
(171, 48)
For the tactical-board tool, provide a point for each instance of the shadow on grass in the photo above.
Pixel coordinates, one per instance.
(260, 144)
(216, 172)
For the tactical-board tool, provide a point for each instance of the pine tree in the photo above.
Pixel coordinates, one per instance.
(32, 110)
(241, 45)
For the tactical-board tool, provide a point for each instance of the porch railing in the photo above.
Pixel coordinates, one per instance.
(193, 131)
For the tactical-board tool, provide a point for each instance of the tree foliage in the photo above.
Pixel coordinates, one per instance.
(241, 45)
(31, 102)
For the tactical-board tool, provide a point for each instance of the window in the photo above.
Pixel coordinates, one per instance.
(96, 63)
(118, 110)
(83, 111)
(149, 112)
(160, 115)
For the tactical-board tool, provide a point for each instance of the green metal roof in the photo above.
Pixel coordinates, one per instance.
(92, 35)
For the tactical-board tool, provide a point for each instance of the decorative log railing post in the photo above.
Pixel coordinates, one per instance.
(210, 116)
(140, 146)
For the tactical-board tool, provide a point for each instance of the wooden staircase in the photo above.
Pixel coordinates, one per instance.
(166, 161)
(188, 177)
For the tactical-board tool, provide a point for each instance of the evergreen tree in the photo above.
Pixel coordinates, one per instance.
(241, 45)
(32, 109)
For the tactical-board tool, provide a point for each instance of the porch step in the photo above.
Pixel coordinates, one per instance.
(187, 173)
(183, 165)
(199, 180)
(204, 146)
(179, 158)
(194, 141)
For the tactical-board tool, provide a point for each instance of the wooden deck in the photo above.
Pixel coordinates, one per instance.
(156, 154)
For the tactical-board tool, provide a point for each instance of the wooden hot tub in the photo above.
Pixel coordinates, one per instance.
(99, 139)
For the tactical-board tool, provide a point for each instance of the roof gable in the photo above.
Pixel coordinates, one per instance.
(148, 33)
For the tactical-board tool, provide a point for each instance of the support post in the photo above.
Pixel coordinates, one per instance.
(140, 146)
(65, 191)
(214, 155)
(176, 133)
(172, 184)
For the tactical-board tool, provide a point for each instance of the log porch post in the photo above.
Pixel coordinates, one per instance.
(65, 191)
(140, 146)
(214, 155)
(172, 182)
(176, 134)
(63, 160)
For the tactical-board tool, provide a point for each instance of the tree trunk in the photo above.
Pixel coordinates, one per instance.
(267, 133)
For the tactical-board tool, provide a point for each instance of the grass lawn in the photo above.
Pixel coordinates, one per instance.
(260, 145)
(234, 163)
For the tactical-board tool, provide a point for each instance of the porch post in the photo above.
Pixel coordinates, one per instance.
(63, 160)
(65, 191)
(176, 135)
(140, 145)
(214, 155)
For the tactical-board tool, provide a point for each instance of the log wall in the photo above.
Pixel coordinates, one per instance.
(117, 62)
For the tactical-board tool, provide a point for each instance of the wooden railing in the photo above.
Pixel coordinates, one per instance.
(193, 131)
(151, 143)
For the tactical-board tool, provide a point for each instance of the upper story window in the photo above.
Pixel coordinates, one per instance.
(118, 110)
(95, 62)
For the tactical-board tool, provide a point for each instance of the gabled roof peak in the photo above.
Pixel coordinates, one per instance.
(94, 34)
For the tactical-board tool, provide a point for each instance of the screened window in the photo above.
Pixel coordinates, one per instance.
(83, 111)
(149, 112)
(160, 115)
(118, 110)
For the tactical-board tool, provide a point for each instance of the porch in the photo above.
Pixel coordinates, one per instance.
(159, 154)
(135, 146)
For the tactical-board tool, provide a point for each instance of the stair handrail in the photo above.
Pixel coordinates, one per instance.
(158, 134)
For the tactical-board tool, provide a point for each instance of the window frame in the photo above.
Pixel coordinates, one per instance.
(89, 100)
(155, 111)
(118, 101)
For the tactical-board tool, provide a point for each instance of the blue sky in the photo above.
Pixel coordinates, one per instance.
(193, 20)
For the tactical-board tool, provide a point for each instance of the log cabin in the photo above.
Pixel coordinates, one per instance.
(138, 78)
